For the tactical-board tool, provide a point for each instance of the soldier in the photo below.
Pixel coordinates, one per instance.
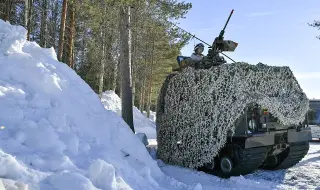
(197, 55)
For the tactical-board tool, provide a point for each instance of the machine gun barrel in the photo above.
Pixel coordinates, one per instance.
(222, 31)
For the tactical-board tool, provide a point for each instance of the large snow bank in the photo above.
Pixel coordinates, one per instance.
(142, 124)
(57, 134)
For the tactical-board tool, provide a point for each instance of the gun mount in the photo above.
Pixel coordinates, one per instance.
(213, 58)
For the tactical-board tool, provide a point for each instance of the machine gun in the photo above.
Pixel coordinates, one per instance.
(220, 45)
(212, 59)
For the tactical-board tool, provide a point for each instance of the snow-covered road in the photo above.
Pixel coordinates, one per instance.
(305, 175)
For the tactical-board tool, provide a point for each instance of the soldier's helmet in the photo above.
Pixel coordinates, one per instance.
(199, 46)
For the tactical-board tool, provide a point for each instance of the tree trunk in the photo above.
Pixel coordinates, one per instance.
(125, 65)
(149, 97)
(43, 29)
(62, 29)
(8, 10)
(26, 13)
(14, 14)
(3, 7)
(134, 57)
(54, 24)
(150, 80)
(110, 63)
(102, 63)
(30, 10)
(133, 71)
(115, 75)
(83, 47)
(71, 34)
(143, 88)
(142, 92)
(72, 58)
(118, 77)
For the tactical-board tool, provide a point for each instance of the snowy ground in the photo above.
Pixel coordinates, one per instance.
(56, 134)
(315, 129)
(305, 175)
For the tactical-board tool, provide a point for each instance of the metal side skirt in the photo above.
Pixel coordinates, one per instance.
(303, 135)
(265, 139)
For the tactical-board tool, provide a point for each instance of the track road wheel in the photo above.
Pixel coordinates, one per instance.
(209, 166)
(226, 165)
(289, 157)
(234, 161)
(272, 162)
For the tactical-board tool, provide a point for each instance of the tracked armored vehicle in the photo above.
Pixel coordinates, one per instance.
(230, 119)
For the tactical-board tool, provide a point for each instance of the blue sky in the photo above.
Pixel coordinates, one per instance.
(269, 31)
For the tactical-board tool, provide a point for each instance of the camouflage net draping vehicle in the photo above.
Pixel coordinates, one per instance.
(230, 119)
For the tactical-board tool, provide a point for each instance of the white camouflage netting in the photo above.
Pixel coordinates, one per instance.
(199, 107)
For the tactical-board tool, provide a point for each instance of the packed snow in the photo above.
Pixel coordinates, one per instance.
(56, 134)
(142, 124)
(305, 175)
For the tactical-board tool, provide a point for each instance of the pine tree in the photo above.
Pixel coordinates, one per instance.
(316, 24)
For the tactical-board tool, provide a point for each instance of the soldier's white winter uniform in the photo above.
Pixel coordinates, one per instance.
(196, 57)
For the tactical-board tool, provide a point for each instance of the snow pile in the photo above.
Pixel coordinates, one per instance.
(152, 115)
(7, 184)
(112, 102)
(56, 134)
